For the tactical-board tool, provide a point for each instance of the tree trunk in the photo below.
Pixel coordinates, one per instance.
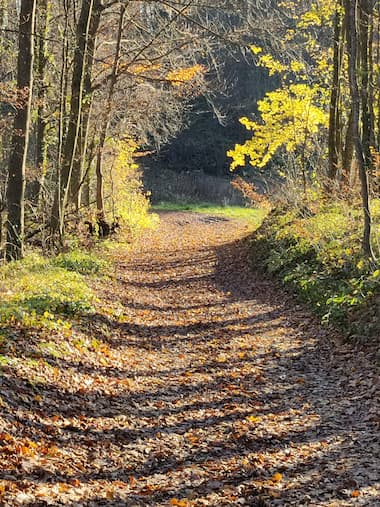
(3, 14)
(77, 87)
(363, 58)
(107, 115)
(352, 49)
(79, 162)
(334, 148)
(41, 146)
(348, 153)
(20, 138)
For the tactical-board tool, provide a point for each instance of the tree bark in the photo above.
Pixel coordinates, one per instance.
(352, 49)
(107, 115)
(79, 162)
(334, 148)
(42, 59)
(20, 138)
(363, 58)
(77, 89)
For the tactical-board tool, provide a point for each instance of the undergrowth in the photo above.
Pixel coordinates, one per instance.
(319, 256)
(44, 292)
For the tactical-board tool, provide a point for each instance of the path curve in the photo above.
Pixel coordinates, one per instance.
(213, 388)
(242, 396)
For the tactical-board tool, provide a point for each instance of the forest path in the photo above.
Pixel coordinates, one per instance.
(212, 388)
(235, 384)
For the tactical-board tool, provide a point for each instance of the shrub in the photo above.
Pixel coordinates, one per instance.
(123, 183)
(319, 256)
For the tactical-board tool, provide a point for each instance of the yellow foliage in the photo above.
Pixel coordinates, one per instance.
(142, 69)
(290, 116)
(123, 184)
(319, 13)
(273, 66)
(256, 49)
(177, 77)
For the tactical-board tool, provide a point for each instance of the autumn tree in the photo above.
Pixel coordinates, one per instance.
(20, 139)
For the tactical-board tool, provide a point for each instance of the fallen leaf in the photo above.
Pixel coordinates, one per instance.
(277, 477)
(178, 503)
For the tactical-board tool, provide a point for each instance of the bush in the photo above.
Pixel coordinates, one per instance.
(123, 182)
(319, 257)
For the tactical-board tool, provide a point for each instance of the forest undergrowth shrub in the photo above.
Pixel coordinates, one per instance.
(80, 262)
(128, 202)
(42, 292)
(319, 256)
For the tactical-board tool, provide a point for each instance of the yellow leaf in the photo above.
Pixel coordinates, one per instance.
(277, 477)
(256, 49)
(253, 418)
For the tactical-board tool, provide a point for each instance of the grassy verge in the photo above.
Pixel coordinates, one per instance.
(235, 212)
(43, 292)
(320, 258)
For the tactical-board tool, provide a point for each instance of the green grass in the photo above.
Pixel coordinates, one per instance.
(234, 212)
(40, 292)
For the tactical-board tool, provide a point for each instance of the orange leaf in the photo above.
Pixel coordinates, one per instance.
(110, 495)
(178, 503)
(355, 493)
(132, 480)
(6, 437)
(277, 477)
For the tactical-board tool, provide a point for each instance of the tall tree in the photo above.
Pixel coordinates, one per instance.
(41, 92)
(17, 161)
(89, 9)
(354, 70)
(107, 115)
(334, 135)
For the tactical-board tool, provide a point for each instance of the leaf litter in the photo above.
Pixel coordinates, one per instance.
(197, 382)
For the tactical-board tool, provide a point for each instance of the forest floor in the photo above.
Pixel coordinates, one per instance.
(196, 383)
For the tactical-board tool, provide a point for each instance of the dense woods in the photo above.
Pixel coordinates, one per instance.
(84, 84)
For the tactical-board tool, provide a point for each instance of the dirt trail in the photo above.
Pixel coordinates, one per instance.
(206, 386)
